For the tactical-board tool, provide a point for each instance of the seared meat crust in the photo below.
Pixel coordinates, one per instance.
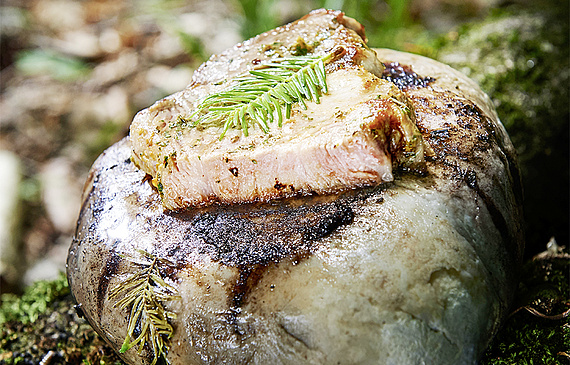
(351, 139)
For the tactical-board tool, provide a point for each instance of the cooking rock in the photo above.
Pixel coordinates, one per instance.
(416, 270)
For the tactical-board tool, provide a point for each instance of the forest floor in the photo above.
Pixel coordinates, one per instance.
(74, 73)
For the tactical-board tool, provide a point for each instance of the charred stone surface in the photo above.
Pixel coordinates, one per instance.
(404, 77)
(262, 235)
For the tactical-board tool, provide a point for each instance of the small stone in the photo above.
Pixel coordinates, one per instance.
(13, 20)
(122, 66)
(10, 214)
(110, 41)
(200, 25)
(51, 265)
(165, 47)
(61, 194)
(114, 105)
(169, 79)
(59, 14)
(80, 43)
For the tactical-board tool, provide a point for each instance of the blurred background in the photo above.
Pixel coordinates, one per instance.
(74, 73)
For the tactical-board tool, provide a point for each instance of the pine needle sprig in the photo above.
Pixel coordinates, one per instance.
(266, 93)
(143, 292)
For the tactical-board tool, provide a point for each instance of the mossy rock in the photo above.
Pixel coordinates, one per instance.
(521, 59)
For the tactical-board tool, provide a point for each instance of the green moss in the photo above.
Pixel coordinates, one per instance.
(521, 59)
(35, 301)
(530, 338)
(258, 16)
(57, 65)
(43, 325)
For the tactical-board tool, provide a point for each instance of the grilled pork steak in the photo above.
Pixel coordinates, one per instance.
(419, 270)
(350, 139)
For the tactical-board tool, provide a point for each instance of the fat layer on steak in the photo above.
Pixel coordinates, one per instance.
(360, 129)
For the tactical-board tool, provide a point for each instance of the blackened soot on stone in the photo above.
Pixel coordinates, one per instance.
(404, 77)
(260, 236)
(336, 216)
(79, 310)
(109, 270)
(471, 179)
(248, 278)
(252, 237)
(469, 110)
(228, 238)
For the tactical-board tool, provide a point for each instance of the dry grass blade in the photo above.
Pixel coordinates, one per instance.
(144, 292)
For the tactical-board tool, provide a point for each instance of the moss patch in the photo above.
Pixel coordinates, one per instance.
(538, 332)
(34, 302)
(43, 325)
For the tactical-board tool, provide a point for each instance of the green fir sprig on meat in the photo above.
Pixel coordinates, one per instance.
(143, 294)
(266, 93)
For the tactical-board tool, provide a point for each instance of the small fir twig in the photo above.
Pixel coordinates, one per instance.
(266, 93)
(143, 293)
